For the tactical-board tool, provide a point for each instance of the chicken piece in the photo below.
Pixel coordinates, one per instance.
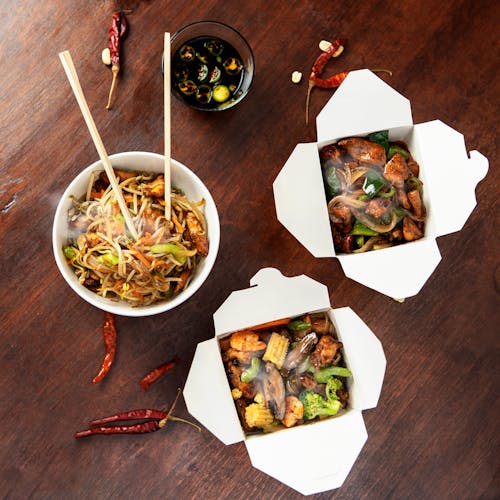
(411, 231)
(325, 351)
(402, 198)
(416, 203)
(331, 155)
(308, 381)
(246, 340)
(92, 239)
(248, 389)
(123, 174)
(321, 324)
(340, 214)
(343, 396)
(197, 234)
(244, 357)
(363, 151)
(378, 207)
(294, 411)
(241, 406)
(155, 188)
(414, 167)
(343, 242)
(396, 171)
(397, 234)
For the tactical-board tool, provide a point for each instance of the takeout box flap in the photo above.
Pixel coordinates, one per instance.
(399, 272)
(208, 395)
(450, 176)
(271, 296)
(311, 458)
(364, 103)
(299, 205)
(364, 356)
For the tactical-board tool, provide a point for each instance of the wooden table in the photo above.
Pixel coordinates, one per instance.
(435, 431)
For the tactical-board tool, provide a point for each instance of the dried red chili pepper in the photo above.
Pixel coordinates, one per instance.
(331, 82)
(110, 338)
(334, 50)
(156, 373)
(154, 421)
(117, 31)
(142, 428)
(130, 415)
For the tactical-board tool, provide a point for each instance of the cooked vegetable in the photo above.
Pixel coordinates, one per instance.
(233, 65)
(323, 375)
(203, 94)
(396, 149)
(257, 415)
(251, 372)
(221, 93)
(332, 386)
(316, 406)
(298, 325)
(276, 349)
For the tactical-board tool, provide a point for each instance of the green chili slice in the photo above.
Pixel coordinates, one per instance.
(251, 372)
(297, 325)
(396, 149)
(359, 229)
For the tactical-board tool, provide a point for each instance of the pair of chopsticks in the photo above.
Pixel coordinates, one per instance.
(72, 75)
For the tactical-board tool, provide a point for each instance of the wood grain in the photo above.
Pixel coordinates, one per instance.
(435, 432)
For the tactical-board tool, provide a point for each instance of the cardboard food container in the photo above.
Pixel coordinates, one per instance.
(361, 105)
(334, 443)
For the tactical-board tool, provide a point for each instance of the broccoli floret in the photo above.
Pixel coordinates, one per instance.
(332, 385)
(316, 406)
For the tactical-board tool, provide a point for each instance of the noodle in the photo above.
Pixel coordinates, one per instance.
(159, 265)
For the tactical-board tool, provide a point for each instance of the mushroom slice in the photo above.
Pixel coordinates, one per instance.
(273, 388)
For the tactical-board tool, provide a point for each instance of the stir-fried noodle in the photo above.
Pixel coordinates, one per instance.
(154, 268)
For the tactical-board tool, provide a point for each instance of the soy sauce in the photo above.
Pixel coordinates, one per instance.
(207, 72)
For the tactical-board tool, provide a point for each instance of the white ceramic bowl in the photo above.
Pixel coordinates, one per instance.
(182, 178)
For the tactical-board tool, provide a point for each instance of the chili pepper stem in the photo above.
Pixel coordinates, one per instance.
(309, 89)
(178, 419)
(115, 70)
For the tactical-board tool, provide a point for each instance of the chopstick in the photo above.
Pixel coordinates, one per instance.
(70, 70)
(166, 118)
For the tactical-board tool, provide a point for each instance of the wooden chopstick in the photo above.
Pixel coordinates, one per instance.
(166, 118)
(70, 70)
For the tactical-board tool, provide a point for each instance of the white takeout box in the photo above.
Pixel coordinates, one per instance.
(363, 104)
(333, 444)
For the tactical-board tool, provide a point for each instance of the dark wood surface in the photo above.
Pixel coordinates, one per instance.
(435, 432)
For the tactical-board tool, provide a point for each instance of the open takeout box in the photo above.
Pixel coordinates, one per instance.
(361, 105)
(333, 444)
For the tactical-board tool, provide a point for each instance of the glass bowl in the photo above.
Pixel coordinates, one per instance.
(214, 29)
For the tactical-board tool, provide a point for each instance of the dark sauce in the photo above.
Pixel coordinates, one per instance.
(207, 72)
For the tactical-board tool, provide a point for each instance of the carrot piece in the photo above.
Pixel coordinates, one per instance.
(143, 258)
(272, 324)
